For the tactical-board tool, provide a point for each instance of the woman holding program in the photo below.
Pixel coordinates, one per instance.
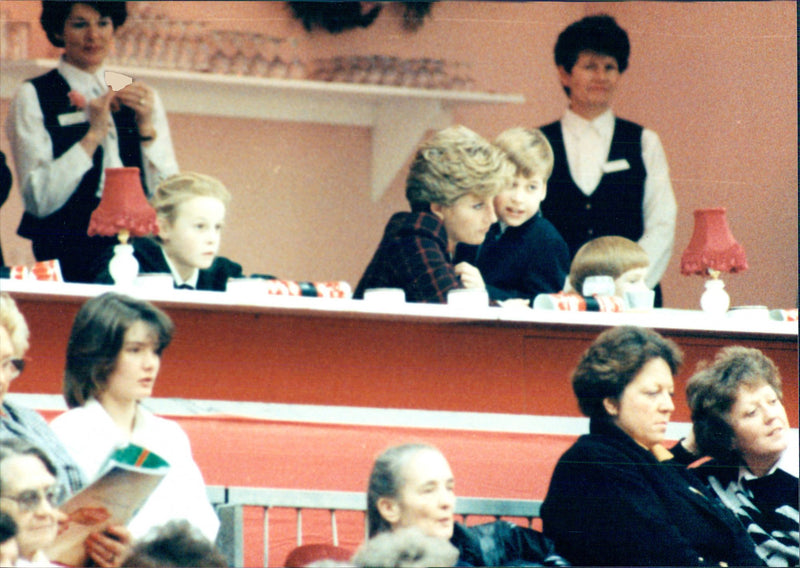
(113, 359)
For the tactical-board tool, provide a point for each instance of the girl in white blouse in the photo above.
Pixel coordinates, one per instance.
(113, 358)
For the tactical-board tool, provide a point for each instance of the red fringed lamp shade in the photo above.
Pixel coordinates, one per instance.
(123, 208)
(712, 247)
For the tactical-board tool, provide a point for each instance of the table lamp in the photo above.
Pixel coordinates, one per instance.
(711, 251)
(123, 211)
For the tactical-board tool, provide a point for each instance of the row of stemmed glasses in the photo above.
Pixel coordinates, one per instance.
(150, 39)
(256, 55)
(420, 73)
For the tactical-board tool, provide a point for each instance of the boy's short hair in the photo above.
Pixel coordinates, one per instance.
(454, 162)
(599, 33)
(181, 187)
(606, 256)
(55, 13)
(529, 150)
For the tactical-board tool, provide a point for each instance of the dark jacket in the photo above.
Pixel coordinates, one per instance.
(610, 502)
(151, 260)
(503, 544)
(523, 262)
(413, 256)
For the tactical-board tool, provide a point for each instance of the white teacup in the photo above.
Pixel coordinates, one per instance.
(385, 296)
(751, 313)
(640, 300)
(246, 286)
(598, 286)
(468, 297)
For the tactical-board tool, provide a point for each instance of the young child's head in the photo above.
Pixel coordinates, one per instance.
(455, 175)
(532, 156)
(191, 213)
(622, 259)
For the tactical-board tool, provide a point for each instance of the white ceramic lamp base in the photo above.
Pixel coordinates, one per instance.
(124, 267)
(715, 299)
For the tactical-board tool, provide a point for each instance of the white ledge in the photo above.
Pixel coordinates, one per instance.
(690, 321)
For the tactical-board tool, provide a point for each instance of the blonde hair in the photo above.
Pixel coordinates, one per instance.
(181, 187)
(606, 256)
(529, 150)
(454, 162)
(14, 323)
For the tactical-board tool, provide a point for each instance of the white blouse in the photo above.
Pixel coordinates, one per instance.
(90, 436)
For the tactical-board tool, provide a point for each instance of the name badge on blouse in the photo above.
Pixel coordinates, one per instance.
(70, 118)
(616, 166)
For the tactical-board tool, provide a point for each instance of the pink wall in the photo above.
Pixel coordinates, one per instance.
(717, 81)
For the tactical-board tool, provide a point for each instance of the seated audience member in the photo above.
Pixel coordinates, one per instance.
(406, 548)
(612, 500)
(450, 187)
(9, 549)
(523, 255)
(175, 544)
(740, 421)
(191, 213)
(20, 422)
(622, 259)
(30, 493)
(412, 486)
(113, 359)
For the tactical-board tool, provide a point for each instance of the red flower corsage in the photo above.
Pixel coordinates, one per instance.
(76, 99)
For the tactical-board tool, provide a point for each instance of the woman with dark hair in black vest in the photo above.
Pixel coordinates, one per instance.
(67, 126)
(610, 176)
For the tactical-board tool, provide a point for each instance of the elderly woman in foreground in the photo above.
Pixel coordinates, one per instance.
(613, 500)
(740, 421)
(412, 485)
(30, 494)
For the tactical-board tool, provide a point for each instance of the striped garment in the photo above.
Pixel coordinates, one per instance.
(768, 509)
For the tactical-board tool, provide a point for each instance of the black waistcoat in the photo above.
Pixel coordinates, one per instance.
(614, 208)
(72, 219)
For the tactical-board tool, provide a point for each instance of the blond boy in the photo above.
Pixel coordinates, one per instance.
(523, 254)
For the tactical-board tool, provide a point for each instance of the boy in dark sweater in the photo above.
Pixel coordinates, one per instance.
(523, 255)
